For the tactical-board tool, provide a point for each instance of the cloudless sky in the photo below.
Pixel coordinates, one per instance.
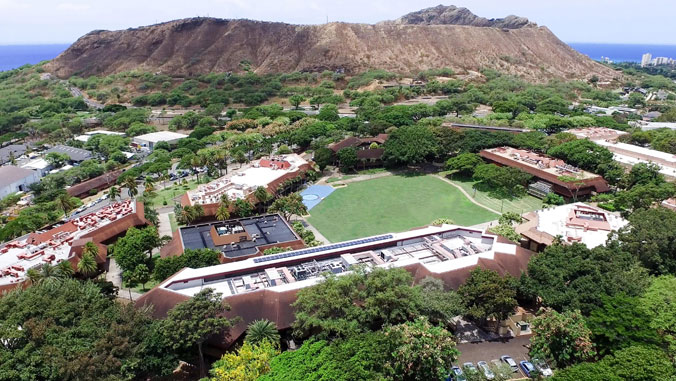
(63, 21)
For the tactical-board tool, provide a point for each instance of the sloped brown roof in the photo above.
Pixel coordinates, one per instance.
(104, 180)
(277, 306)
(350, 141)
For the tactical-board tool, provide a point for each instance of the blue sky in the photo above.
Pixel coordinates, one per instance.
(63, 21)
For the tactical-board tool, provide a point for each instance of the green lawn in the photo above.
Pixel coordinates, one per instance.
(520, 205)
(172, 222)
(170, 193)
(392, 204)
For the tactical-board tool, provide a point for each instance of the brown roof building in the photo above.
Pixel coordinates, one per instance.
(97, 183)
(548, 169)
(265, 287)
(65, 242)
(366, 154)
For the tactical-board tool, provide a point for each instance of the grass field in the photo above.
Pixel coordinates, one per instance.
(520, 205)
(171, 192)
(392, 204)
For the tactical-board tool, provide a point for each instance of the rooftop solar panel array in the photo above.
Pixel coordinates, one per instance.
(319, 249)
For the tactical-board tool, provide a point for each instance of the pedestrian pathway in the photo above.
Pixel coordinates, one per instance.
(114, 275)
(467, 194)
(165, 225)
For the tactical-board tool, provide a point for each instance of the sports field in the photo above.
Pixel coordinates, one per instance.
(392, 204)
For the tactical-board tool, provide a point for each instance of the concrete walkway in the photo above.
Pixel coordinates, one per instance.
(467, 194)
(165, 225)
(114, 275)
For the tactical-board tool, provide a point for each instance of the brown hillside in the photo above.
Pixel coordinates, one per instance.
(202, 45)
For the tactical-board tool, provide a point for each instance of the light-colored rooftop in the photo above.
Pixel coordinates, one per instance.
(17, 257)
(576, 222)
(439, 248)
(596, 133)
(161, 136)
(35, 164)
(240, 183)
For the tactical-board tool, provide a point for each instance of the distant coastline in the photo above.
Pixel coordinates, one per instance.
(14, 56)
(623, 52)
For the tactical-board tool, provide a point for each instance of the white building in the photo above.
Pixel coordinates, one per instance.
(647, 126)
(87, 135)
(39, 165)
(646, 59)
(14, 179)
(631, 155)
(148, 141)
(576, 222)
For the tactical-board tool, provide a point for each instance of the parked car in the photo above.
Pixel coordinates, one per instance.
(527, 368)
(457, 374)
(542, 367)
(488, 373)
(470, 368)
(501, 369)
(510, 361)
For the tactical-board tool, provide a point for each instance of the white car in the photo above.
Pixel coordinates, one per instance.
(542, 367)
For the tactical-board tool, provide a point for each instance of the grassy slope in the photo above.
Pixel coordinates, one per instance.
(392, 204)
(520, 205)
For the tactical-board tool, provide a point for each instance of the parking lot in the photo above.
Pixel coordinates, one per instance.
(490, 350)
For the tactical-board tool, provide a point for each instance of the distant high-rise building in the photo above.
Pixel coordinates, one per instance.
(645, 60)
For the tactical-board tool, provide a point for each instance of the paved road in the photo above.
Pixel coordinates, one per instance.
(114, 275)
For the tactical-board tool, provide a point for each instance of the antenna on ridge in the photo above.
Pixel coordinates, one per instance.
(327, 19)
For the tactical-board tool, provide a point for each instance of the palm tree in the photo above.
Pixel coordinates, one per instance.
(65, 269)
(91, 249)
(149, 184)
(114, 193)
(66, 203)
(87, 265)
(222, 213)
(48, 273)
(196, 163)
(225, 201)
(132, 187)
(263, 197)
(262, 330)
(33, 276)
(164, 177)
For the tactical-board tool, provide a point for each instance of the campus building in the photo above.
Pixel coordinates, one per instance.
(630, 155)
(576, 222)
(268, 173)
(367, 156)
(549, 172)
(265, 287)
(148, 141)
(75, 155)
(66, 241)
(96, 184)
(236, 239)
(14, 179)
(597, 133)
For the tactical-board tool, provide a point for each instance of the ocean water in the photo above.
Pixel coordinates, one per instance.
(14, 56)
(624, 52)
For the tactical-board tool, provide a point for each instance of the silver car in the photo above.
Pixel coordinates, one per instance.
(510, 361)
(488, 373)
